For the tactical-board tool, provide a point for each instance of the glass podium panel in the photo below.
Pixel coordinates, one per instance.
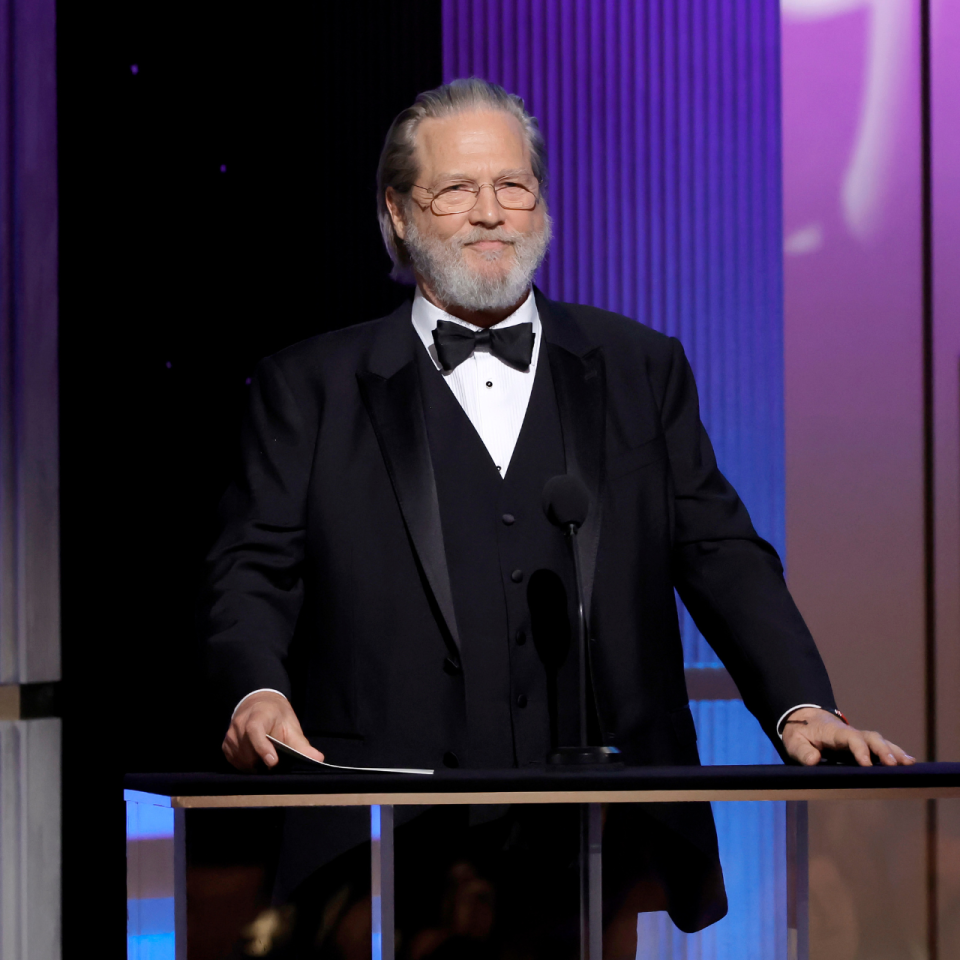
(802, 880)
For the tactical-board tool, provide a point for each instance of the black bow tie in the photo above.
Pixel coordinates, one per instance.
(513, 345)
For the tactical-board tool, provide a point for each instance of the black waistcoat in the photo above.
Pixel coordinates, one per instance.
(511, 574)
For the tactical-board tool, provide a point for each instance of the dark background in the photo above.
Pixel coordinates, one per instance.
(176, 278)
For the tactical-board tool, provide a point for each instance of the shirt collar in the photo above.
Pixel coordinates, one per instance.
(425, 316)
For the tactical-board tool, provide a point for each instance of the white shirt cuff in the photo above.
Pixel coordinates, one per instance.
(261, 690)
(799, 706)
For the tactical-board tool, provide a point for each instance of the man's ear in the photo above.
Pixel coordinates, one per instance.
(395, 206)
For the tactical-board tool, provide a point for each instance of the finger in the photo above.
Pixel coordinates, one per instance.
(902, 756)
(803, 751)
(237, 757)
(245, 757)
(261, 746)
(856, 743)
(889, 753)
(231, 748)
(295, 738)
(880, 748)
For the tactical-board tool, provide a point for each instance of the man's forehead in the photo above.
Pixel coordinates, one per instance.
(472, 137)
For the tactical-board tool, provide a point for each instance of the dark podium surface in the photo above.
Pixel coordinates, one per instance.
(544, 785)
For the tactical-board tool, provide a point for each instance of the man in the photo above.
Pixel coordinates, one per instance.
(387, 590)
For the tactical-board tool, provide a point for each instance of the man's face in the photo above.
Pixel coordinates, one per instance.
(489, 249)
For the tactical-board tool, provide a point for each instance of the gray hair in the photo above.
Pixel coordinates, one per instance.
(398, 165)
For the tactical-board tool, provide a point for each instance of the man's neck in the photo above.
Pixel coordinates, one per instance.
(479, 318)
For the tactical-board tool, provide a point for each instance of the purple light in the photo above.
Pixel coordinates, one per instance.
(663, 139)
(169, 364)
(663, 136)
(247, 381)
(134, 69)
(223, 168)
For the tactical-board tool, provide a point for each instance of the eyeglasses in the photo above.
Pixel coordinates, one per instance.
(461, 196)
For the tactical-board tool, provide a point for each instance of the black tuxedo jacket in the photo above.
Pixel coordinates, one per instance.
(329, 580)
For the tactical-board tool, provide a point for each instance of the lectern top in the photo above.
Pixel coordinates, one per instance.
(548, 785)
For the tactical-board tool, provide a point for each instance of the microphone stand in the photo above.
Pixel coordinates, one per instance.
(567, 503)
(583, 754)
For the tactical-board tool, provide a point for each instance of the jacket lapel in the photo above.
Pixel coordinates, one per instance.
(390, 389)
(580, 384)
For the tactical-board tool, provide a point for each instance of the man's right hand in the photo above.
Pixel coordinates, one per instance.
(262, 713)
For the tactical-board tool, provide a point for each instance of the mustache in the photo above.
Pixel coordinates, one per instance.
(479, 234)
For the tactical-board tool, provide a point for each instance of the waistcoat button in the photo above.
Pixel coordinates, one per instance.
(516, 576)
(450, 760)
(508, 519)
(522, 700)
(521, 637)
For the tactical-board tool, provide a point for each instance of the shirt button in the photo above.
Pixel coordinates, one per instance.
(500, 469)
(508, 519)
(489, 383)
(516, 576)
(522, 700)
(521, 637)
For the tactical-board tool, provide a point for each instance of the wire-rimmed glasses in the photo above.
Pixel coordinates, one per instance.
(461, 196)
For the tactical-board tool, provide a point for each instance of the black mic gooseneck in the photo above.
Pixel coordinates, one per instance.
(566, 504)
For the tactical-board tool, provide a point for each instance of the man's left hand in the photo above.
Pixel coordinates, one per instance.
(821, 730)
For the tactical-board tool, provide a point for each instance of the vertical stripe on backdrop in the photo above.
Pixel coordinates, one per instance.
(662, 123)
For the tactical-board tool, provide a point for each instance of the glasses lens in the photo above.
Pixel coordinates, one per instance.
(455, 199)
(513, 196)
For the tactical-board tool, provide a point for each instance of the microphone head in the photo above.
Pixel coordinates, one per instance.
(565, 501)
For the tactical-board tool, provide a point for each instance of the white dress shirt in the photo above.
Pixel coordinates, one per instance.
(493, 394)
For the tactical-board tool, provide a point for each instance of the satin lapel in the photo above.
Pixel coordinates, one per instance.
(396, 409)
(580, 386)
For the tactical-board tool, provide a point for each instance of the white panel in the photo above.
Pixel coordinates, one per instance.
(30, 840)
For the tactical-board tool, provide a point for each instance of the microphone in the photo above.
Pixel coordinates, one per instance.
(566, 503)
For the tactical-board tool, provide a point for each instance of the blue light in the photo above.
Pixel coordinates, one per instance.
(752, 837)
(154, 947)
(150, 917)
(147, 822)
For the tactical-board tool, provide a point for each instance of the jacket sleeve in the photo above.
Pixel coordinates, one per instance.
(729, 578)
(254, 587)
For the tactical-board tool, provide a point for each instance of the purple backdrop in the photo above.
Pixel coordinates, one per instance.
(663, 138)
(663, 134)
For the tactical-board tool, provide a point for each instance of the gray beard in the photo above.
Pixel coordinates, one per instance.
(443, 265)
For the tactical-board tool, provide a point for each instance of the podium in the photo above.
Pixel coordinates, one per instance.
(156, 806)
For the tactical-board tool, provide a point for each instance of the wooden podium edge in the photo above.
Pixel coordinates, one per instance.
(558, 796)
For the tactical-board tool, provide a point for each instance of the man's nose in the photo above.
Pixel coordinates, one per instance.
(487, 211)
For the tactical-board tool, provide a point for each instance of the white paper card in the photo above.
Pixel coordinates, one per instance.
(291, 752)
